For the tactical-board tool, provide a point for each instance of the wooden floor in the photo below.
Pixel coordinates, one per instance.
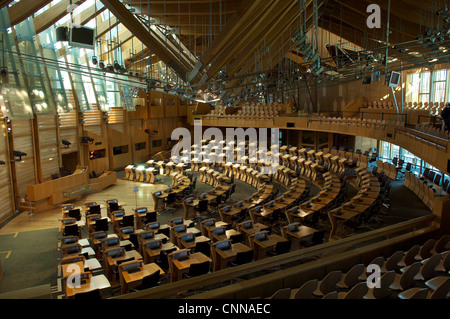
(123, 190)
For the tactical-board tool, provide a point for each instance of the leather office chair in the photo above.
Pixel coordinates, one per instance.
(163, 261)
(101, 225)
(242, 258)
(150, 217)
(317, 239)
(197, 269)
(238, 238)
(127, 221)
(281, 247)
(202, 206)
(71, 230)
(75, 213)
(149, 281)
(203, 247)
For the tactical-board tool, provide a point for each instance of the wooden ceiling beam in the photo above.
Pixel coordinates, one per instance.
(231, 30)
(272, 30)
(148, 37)
(23, 9)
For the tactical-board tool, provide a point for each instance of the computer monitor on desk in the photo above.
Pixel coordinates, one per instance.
(181, 255)
(95, 209)
(177, 221)
(180, 229)
(158, 193)
(153, 244)
(209, 222)
(248, 224)
(188, 238)
(141, 210)
(271, 204)
(262, 235)
(223, 244)
(239, 204)
(219, 231)
(226, 209)
(154, 225)
(203, 196)
(293, 227)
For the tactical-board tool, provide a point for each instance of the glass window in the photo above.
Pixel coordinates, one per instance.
(440, 82)
(424, 92)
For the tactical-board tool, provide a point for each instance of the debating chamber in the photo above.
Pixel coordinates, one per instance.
(225, 150)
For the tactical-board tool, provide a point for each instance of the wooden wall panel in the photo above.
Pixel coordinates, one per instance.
(6, 192)
(68, 131)
(23, 141)
(48, 146)
(93, 122)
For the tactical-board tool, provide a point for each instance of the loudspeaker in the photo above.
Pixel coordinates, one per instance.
(448, 166)
(290, 124)
(62, 34)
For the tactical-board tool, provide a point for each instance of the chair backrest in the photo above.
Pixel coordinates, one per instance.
(442, 290)
(385, 282)
(198, 269)
(351, 278)
(357, 292)
(237, 238)
(410, 255)
(306, 290)
(284, 293)
(150, 217)
(203, 247)
(75, 213)
(393, 261)
(328, 284)
(407, 278)
(429, 266)
(101, 225)
(283, 247)
(128, 220)
(331, 295)
(244, 257)
(163, 260)
(71, 230)
(441, 243)
(425, 249)
(150, 281)
(317, 237)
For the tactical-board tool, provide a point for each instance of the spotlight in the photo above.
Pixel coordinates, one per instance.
(109, 68)
(94, 60)
(101, 64)
(2, 162)
(116, 65)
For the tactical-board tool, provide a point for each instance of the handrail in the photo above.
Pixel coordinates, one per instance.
(322, 250)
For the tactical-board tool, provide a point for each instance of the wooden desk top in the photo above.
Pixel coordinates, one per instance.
(156, 252)
(95, 282)
(314, 207)
(193, 259)
(147, 269)
(360, 208)
(228, 233)
(230, 253)
(192, 244)
(257, 227)
(345, 214)
(303, 231)
(270, 242)
(128, 254)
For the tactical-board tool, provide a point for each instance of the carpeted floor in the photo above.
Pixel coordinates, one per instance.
(32, 259)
